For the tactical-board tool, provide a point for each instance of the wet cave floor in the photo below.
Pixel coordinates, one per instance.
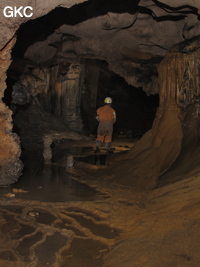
(50, 218)
(68, 217)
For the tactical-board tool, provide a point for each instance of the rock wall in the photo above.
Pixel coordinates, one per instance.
(176, 120)
(132, 37)
(9, 25)
(179, 3)
(52, 98)
(10, 165)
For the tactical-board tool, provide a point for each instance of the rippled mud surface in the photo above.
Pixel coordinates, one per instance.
(32, 235)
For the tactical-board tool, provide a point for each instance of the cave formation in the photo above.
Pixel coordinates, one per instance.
(57, 67)
(58, 59)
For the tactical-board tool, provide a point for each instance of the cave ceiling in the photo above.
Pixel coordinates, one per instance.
(132, 36)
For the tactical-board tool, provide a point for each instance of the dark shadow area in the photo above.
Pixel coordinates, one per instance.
(134, 109)
(172, 9)
(94, 159)
(48, 183)
(8, 92)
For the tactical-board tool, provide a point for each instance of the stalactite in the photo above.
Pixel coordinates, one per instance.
(71, 98)
(58, 102)
(89, 92)
(187, 68)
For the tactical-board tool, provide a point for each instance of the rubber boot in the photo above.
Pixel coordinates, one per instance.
(98, 146)
(108, 147)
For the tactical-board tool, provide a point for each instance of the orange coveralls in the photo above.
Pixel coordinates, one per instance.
(106, 117)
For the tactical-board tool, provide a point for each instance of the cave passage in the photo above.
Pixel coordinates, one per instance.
(58, 78)
(135, 114)
(61, 203)
(67, 58)
(58, 101)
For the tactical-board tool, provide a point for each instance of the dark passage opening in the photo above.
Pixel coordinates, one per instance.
(61, 94)
(134, 109)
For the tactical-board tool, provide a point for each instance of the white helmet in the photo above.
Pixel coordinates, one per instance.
(108, 100)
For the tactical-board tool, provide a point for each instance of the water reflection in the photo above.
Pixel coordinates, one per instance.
(94, 159)
(51, 183)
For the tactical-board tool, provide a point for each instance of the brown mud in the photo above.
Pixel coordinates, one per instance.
(119, 226)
